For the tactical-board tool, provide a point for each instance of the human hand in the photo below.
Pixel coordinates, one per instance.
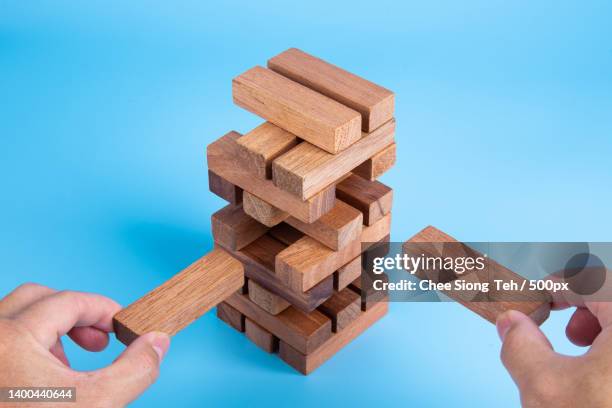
(33, 319)
(548, 379)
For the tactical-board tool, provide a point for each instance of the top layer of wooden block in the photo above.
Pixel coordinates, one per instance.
(297, 109)
(374, 102)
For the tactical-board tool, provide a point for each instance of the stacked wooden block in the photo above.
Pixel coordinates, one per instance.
(303, 198)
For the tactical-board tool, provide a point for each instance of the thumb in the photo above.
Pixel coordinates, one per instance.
(525, 348)
(136, 368)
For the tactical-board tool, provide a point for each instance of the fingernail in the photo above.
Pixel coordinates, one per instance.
(160, 344)
(504, 322)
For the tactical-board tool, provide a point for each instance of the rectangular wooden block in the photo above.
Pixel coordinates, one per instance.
(372, 198)
(342, 308)
(261, 337)
(285, 233)
(224, 189)
(306, 169)
(336, 229)
(265, 299)
(533, 304)
(378, 164)
(303, 331)
(231, 316)
(262, 145)
(224, 161)
(307, 262)
(234, 229)
(373, 102)
(377, 231)
(258, 261)
(181, 299)
(299, 110)
(347, 274)
(307, 363)
(263, 212)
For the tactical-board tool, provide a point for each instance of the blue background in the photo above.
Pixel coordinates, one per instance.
(504, 133)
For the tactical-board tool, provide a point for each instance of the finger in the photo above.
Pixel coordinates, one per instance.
(22, 297)
(525, 348)
(90, 338)
(602, 311)
(53, 316)
(136, 368)
(58, 351)
(582, 328)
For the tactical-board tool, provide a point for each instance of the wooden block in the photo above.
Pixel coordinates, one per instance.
(373, 102)
(303, 331)
(181, 299)
(306, 169)
(224, 161)
(261, 337)
(336, 229)
(224, 189)
(285, 233)
(342, 308)
(234, 229)
(265, 299)
(369, 296)
(231, 316)
(534, 304)
(372, 198)
(377, 231)
(263, 212)
(262, 145)
(378, 164)
(299, 110)
(346, 274)
(307, 363)
(307, 262)
(262, 271)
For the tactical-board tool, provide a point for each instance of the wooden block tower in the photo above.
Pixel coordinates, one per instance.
(303, 203)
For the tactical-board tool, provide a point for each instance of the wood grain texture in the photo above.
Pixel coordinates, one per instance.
(224, 189)
(347, 274)
(373, 102)
(285, 233)
(262, 145)
(377, 231)
(265, 299)
(181, 299)
(306, 169)
(336, 229)
(372, 198)
(234, 229)
(431, 241)
(342, 308)
(303, 331)
(307, 363)
(223, 160)
(261, 337)
(231, 316)
(258, 261)
(263, 212)
(299, 110)
(378, 164)
(307, 262)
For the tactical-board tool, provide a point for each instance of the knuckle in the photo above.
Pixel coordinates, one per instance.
(147, 363)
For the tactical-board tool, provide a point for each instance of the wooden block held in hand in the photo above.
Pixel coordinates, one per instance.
(224, 161)
(306, 169)
(263, 212)
(347, 274)
(378, 164)
(183, 298)
(307, 363)
(224, 189)
(234, 229)
(373, 102)
(372, 198)
(262, 145)
(342, 308)
(265, 299)
(261, 337)
(299, 110)
(231, 316)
